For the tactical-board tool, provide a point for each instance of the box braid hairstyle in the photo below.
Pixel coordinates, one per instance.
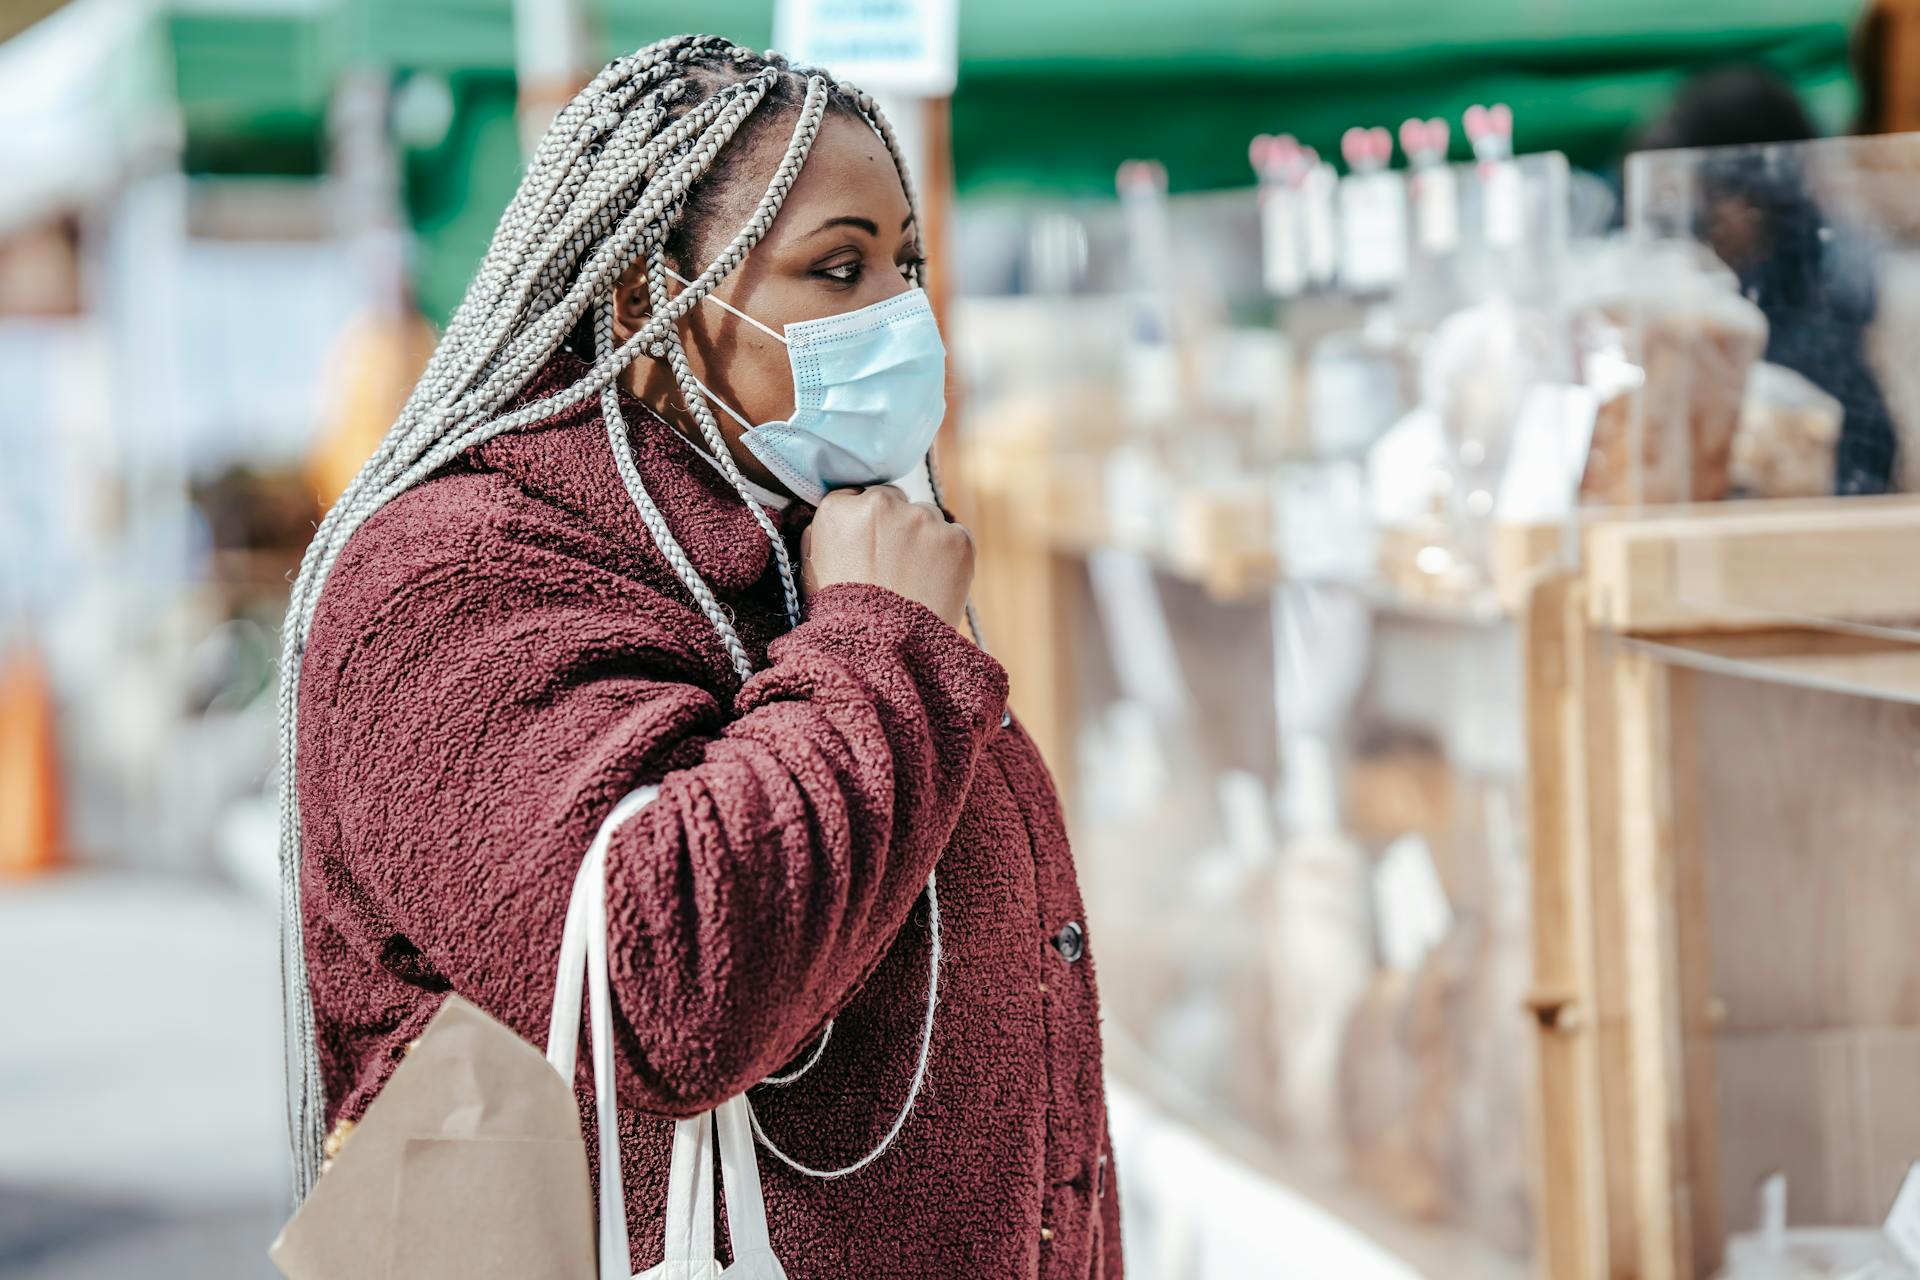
(633, 170)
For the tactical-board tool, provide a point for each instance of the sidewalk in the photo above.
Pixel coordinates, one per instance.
(141, 1130)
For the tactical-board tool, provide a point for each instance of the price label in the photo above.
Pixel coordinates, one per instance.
(1373, 231)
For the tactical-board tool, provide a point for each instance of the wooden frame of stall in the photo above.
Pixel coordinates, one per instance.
(1625, 993)
(1628, 1179)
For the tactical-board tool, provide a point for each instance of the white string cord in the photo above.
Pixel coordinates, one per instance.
(819, 1051)
(919, 1066)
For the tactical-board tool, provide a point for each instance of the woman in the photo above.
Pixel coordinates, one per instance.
(563, 576)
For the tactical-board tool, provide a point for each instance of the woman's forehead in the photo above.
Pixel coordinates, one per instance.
(848, 173)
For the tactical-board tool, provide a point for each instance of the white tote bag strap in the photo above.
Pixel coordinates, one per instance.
(584, 939)
(746, 1208)
(690, 1197)
(690, 1209)
(563, 1031)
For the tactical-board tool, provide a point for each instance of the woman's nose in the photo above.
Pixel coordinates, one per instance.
(889, 284)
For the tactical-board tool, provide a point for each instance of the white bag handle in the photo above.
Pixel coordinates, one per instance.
(689, 1227)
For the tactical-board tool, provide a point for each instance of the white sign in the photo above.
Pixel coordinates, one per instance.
(899, 46)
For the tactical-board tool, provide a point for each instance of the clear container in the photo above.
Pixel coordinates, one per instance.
(1754, 346)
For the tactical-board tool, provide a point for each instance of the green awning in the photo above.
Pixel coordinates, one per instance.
(253, 88)
(1058, 96)
(1052, 96)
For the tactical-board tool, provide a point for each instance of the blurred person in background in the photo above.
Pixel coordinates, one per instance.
(633, 528)
(1815, 284)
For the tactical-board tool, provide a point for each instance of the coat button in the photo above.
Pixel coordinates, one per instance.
(1046, 1234)
(1071, 941)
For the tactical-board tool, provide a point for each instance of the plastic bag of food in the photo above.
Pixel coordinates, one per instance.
(1667, 341)
(1784, 445)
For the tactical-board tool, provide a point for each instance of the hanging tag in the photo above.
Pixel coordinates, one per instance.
(1373, 231)
(1437, 198)
(1283, 258)
(1504, 203)
(1317, 192)
(1281, 163)
(1434, 193)
(1903, 1220)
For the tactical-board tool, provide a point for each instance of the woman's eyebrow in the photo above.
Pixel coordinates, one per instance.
(867, 225)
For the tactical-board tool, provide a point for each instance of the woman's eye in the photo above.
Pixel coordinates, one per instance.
(845, 272)
(911, 267)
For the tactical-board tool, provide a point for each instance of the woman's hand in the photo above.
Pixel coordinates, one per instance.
(876, 536)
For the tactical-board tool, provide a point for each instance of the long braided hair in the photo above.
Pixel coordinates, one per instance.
(616, 180)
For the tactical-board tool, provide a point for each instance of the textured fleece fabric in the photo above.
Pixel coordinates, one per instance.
(501, 654)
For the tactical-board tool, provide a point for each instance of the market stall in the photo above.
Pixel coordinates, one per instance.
(1723, 702)
(1419, 646)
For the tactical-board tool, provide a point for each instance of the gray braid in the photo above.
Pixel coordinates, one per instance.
(605, 187)
(650, 514)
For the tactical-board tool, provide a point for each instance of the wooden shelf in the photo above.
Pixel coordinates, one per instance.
(1879, 667)
(1221, 537)
(1743, 566)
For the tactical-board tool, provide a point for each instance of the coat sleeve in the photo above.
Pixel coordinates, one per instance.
(483, 725)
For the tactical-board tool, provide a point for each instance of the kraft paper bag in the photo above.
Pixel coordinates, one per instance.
(469, 1166)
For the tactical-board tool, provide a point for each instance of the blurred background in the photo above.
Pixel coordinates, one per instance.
(1440, 471)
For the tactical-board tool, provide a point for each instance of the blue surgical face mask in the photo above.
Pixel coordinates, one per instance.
(869, 392)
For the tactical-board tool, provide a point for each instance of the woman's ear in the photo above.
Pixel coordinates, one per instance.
(630, 310)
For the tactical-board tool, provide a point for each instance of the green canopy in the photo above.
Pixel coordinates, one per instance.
(1052, 96)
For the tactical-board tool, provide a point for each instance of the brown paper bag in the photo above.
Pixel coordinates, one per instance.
(468, 1166)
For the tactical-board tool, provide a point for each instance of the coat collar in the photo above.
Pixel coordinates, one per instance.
(566, 460)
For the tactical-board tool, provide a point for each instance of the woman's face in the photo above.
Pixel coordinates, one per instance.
(843, 239)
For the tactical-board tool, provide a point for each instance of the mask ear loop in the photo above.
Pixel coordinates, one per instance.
(725, 408)
(724, 305)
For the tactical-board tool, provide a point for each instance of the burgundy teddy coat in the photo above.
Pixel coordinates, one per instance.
(501, 654)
